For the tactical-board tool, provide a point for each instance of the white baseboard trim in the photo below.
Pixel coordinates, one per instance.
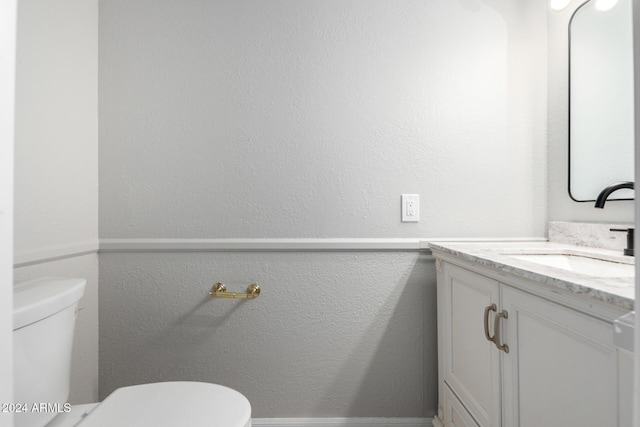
(341, 422)
(43, 254)
(283, 245)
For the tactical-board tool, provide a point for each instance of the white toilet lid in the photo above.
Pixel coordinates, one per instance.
(172, 404)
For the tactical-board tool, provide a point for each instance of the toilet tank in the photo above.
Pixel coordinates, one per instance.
(44, 314)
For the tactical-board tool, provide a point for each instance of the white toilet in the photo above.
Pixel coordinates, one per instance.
(44, 313)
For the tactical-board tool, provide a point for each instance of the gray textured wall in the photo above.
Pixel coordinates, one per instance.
(332, 334)
(307, 119)
(288, 118)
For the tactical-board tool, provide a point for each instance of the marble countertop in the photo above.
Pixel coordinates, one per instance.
(619, 291)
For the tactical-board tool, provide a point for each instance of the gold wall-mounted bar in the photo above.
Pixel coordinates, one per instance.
(219, 290)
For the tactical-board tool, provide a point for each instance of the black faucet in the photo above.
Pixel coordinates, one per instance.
(604, 194)
(630, 234)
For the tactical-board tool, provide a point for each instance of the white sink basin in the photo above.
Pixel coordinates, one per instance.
(581, 264)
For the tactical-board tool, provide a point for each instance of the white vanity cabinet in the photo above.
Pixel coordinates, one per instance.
(513, 357)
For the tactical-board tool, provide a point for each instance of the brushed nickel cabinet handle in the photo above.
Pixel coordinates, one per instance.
(488, 309)
(496, 328)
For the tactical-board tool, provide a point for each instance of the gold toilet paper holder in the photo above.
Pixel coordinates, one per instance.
(219, 290)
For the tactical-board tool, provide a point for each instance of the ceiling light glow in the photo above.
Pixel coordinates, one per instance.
(559, 4)
(604, 5)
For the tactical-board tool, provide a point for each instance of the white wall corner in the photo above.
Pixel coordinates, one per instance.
(38, 255)
(7, 92)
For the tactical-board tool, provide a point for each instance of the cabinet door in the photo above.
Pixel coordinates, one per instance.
(561, 369)
(455, 414)
(471, 362)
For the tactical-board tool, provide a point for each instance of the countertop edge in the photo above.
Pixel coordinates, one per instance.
(547, 276)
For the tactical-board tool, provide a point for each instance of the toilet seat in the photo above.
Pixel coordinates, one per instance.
(171, 404)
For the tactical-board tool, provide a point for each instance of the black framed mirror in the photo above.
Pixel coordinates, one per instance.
(601, 121)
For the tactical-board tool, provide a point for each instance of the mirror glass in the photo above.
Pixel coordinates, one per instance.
(600, 99)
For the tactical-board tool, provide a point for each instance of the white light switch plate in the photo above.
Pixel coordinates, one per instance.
(410, 207)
